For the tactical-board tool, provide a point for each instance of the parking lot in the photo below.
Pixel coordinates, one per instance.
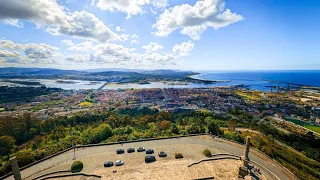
(134, 166)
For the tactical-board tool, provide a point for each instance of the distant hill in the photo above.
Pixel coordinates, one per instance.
(14, 70)
(111, 75)
(53, 72)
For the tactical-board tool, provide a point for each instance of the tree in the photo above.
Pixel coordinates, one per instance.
(213, 128)
(24, 158)
(165, 125)
(174, 128)
(193, 129)
(207, 153)
(125, 120)
(7, 144)
(163, 116)
(231, 125)
(77, 166)
(97, 134)
(142, 122)
(113, 121)
(101, 133)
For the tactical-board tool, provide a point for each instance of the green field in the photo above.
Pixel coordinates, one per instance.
(305, 124)
(297, 121)
(313, 128)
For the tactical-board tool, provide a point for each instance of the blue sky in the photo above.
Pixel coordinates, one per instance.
(153, 34)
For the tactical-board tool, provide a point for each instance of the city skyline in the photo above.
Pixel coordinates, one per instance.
(186, 35)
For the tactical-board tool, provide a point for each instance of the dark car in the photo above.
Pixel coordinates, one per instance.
(140, 149)
(131, 150)
(149, 151)
(162, 154)
(178, 155)
(149, 159)
(108, 164)
(120, 151)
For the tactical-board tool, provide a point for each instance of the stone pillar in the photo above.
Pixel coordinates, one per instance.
(245, 157)
(15, 168)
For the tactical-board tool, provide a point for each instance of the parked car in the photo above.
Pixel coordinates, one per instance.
(120, 151)
(178, 155)
(131, 150)
(108, 164)
(149, 159)
(149, 151)
(140, 149)
(119, 162)
(162, 154)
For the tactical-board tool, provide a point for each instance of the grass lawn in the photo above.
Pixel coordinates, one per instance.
(313, 128)
(249, 95)
(85, 103)
(296, 121)
(305, 124)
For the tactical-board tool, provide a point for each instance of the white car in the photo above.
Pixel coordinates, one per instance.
(140, 149)
(119, 163)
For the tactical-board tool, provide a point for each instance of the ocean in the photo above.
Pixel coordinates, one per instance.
(258, 79)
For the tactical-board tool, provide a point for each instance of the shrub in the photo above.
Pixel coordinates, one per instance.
(207, 153)
(77, 166)
(178, 155)
(7, 144)
(24, 158)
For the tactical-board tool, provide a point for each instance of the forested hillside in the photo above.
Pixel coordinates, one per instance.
(30, 139)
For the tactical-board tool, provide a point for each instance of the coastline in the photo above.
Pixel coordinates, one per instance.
(195, 77)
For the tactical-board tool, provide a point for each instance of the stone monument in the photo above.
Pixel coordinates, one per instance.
(244, 165)
(245, 157)
(15, 168)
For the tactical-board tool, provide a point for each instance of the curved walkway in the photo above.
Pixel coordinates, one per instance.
(93, 157)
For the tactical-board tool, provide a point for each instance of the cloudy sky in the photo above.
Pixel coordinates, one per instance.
(153, 34)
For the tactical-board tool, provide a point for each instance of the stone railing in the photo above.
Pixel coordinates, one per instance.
(102, 144)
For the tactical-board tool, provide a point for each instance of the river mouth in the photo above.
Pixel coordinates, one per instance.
(53, 83)
(81, 84)
(72, 84)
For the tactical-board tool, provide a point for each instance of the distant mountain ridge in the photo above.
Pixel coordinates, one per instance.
(14, 70)
(110, 75)
(17, 70)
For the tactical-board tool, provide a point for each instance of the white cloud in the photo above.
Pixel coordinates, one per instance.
(183, 49)
(118, 29)
(85, 25)
(153, 11)
(32, 52)
(5, 53)
(193, 20)
(134, 36)
(134, 42)
(159, 3)
(67, 42)
(152, 47)
(58, 20)
(130, 7)
(41, 50)
(79, 57)
(102, 53)
(83, 46)
(156, 58)
(194, 32)
(39, 11)
(14, 22)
